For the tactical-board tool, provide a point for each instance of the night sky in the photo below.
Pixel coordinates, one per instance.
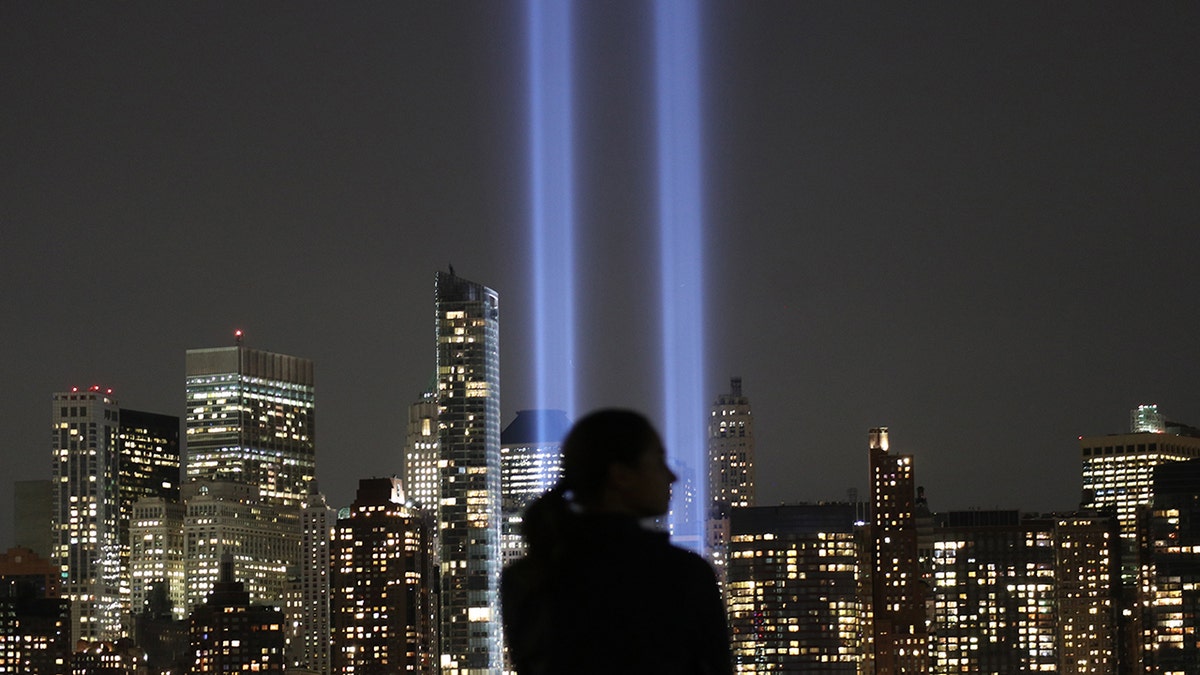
(975, 223)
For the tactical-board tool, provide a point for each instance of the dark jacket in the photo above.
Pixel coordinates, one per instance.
(614, 598)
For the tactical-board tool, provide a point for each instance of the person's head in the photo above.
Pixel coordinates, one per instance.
(614, 461)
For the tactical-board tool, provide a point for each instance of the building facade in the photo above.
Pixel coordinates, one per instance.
(899, 637)
(382, 586)
(793, 589)
(468, 394)
(251, 420)
(730, 469)
(156, 554)
(35, 623)
(530, 464)
(309, 614)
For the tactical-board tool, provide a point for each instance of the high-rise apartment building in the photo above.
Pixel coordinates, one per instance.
(1169, 582)
(730, 468)
(468, 394)
(231, 634)
(792, 589)
(105, 459)
(250, 419)
(87, 511)
(309, 615)
(382, 587)
(899, 637)
(530, 464)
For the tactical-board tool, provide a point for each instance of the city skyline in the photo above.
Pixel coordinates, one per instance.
(968, 225)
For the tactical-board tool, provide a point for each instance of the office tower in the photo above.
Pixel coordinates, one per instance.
(231, 635)
(87, 511)
(382, 586)
(730, 468)
(792, 589)
(530, 464)
(309, 617)
(156, 555)
(897, 594)
(1170, 576)
(421, 455)
(33, 502)
(468, 380)
(260, 538)
(35, 623)
(250, 419)
(1118, 472)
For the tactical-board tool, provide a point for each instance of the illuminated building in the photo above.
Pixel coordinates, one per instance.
(422, 479)
(231, 635)
(792, 589)
(35, 623)
(107, 658)
(309, 613)
(156, 554)
(86, 519)
(730, 468)
(229, 519)
(382, 585)
(530, 464)
(468, 381)
(1013, 594)
(897, 592)
(1170, 579)
(1118, 471)
(250, 419)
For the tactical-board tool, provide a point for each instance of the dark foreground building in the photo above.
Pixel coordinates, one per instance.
(35, 623)
(229, 635)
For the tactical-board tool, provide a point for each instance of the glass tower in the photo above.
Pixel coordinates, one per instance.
(530, 464)
(468, 392)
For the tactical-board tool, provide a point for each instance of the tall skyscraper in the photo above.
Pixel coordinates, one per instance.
(530, 464)
(251, 419)
(105, 459)
(792, 589)
(730, 468)
(897, 593)
(382, 586)
(468, 386)
(86, 516)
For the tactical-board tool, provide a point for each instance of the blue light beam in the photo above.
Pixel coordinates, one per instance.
(677, 85)
(552, 203)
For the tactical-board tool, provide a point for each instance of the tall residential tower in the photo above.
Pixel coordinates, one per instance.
(468, 393)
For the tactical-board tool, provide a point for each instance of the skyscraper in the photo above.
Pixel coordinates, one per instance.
(251, 419)
(468, 388)
(156, 554)
(382, 585)
(1170, 575)
(105, 459)
(530, 464)
(897, 594)
(86, 516)
(730, 468)
(422, 479)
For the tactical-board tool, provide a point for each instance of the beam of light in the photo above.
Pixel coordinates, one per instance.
(552, 204)
(677, 86)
